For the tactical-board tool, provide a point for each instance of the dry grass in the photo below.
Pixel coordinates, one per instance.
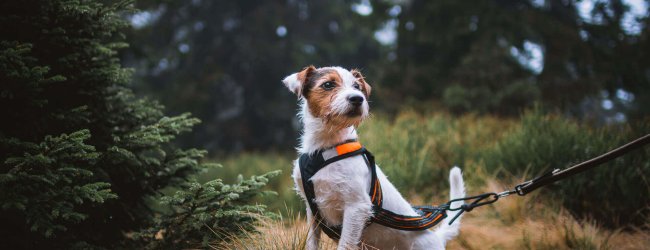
(525, 223)
(276, 235)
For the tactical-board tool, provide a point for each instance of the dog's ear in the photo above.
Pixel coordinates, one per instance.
(296, 81)
(365, 87)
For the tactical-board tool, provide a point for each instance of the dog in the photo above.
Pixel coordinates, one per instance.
(333, 102)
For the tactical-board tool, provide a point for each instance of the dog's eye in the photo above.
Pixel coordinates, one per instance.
(356, 86)
(328, 85)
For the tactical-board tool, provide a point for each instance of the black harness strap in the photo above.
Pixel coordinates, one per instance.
(309, 166)
(428, 216)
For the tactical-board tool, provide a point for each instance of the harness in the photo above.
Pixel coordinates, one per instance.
(310, 164)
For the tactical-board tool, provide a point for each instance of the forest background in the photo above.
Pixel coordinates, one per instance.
(506, 89)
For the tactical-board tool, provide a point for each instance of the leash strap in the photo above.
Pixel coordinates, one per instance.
(556, 174)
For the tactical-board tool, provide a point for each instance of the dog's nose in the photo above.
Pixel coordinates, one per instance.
(356, 100)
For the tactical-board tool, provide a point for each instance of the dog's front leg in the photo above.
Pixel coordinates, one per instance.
(355, 216)
(313, 235)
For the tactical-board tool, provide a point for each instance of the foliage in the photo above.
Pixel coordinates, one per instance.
(81, 156)
(207, 213)
(466, 62)
(234, 166)
(428, 146)
(614, 193)
(224, 61)
(58, 163)
(417, 150)
(480, 57)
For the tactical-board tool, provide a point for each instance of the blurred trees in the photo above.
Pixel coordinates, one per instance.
(223, 60)
(460, 53)
(501, 56)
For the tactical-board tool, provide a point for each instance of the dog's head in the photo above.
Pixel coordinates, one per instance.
(334, 94)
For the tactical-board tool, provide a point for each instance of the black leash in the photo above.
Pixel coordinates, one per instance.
(545, 179)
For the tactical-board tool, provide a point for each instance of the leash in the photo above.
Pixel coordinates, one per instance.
(544, 179)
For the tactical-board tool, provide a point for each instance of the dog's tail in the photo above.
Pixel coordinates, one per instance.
(457, 190)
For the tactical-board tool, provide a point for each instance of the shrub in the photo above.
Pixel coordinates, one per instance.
(417, 151)
(204, 214)
(81, 158)
(251, 163)
(614, 194)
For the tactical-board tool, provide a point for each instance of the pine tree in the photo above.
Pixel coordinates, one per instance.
(82, 159)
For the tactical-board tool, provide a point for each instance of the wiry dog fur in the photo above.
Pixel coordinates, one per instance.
(330, 117)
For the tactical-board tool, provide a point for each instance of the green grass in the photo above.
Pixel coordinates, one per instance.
(417, 150)
(616, 193)
(244, 165)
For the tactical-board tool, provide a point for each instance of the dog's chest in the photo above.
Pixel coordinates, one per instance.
(340, 184)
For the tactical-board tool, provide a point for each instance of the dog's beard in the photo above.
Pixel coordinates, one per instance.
(336, 122)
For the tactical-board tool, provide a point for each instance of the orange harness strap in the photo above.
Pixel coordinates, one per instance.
(348, 147)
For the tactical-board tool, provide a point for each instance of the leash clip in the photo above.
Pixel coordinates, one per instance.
(519, 189)
(479, 200)
(506, 193)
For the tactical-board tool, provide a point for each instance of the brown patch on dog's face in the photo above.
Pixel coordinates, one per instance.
(320, 88)
(332, 94)
(365, 87)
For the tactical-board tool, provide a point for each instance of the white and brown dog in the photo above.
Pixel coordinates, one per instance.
(334, 101)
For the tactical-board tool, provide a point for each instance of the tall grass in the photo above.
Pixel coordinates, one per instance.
(417, 150)
(285, 233)
(615, 194)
